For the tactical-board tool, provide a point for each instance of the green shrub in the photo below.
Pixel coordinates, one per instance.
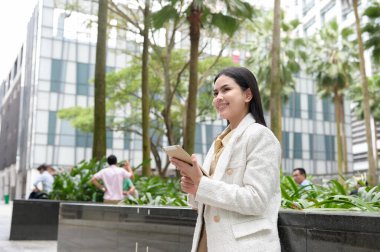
(158, 191)
(76, 185)
(332, 195)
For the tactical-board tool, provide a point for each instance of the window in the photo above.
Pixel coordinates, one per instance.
(109, 138)
(307, 5)
(52, 124)
(311, 146)
(83, 75)
(198, 139)
(322, 147)
(328, 110)
(285, 144)
(56, 75)
(83, 139)
(330, 148)
(328, 13)
(297, 151)
(311, 106)
(127, 140)
(295, 105)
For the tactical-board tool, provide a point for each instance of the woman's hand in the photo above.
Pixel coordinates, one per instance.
(191, 175)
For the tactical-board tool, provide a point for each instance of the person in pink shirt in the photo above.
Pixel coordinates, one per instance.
(113, 178)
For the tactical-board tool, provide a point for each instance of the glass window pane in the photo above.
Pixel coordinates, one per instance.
(57, 75)
(52, 127)
(297, 151)
(83, 73)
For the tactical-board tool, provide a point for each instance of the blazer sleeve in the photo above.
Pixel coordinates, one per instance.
(191, 201)
(260, 179)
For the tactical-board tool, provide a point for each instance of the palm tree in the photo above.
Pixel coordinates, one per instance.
(372, 177)
(275, 94)
(334, 64)
(292, 56)
(198, 12)
(372, 28)
(99, 143)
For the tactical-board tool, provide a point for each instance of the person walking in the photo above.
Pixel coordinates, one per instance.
(113, 178)
(239, 198)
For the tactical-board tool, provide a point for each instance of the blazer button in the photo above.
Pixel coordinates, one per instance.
(216, 218)
(229, 171)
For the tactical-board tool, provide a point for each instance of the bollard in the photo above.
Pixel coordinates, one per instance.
(6, 198)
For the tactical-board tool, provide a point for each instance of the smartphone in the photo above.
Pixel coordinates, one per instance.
(176, 151)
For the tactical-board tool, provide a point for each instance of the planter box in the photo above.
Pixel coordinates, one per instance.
(96, 227)
(34, 220)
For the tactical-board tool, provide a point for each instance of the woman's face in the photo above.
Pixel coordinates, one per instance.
(230, 101)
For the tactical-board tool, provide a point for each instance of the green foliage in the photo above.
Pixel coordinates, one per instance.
(292, 55)
(372, 28)
(158, 191)
(356, 95)
(333, 64)
(332, 195)
(76, 185)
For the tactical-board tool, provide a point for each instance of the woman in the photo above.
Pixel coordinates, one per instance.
(238, 202)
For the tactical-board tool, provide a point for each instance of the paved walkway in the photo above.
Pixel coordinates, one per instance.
(17, 246)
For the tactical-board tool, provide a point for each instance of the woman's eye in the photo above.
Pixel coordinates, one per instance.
(215, 94)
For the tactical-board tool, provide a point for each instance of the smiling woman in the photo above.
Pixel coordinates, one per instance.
(17, 13)
(238, 198)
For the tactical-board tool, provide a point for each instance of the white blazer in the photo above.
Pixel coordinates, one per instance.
(243, 198)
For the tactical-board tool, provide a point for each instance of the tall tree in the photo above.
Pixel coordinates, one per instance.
(333, 64)
(147, 171)
(198, 14)
(99, 143)
(275, 94)
(195, 33)
(372, 176)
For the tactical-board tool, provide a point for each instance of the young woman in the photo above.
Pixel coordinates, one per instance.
(238, 202)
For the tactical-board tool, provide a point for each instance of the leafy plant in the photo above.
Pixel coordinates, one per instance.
(331, 195)
(76, 185)
(158, 191)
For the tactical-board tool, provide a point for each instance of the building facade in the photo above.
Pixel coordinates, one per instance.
(54, 70)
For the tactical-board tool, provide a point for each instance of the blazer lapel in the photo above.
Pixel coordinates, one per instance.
(207, 162)
(228, 150)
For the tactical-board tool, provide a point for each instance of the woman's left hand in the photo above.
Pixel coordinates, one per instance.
(193, 173)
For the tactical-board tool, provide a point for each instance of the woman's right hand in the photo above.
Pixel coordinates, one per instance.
(187, 185)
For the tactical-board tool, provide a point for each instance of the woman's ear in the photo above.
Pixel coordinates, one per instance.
(248, 95)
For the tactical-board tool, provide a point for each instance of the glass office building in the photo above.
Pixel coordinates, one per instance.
(55, 69)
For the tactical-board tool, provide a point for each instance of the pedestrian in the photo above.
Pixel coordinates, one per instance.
(299, 176)
(46, 178)
(239, 198)
(129, 189)
(112, 178)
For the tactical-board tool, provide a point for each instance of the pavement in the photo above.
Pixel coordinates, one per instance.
(17, 246)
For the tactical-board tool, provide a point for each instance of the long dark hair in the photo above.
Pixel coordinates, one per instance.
(245, 79)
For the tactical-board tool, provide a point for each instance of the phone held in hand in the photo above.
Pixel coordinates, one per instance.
(178, 152)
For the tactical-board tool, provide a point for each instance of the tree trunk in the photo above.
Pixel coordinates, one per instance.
(376, 151)
(338, 134)
(189, 132)
(275, 94)
(99, 143)
(146, 169)
(372, 176)
(343, 135)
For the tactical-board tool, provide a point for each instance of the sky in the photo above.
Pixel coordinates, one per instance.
(14, 17)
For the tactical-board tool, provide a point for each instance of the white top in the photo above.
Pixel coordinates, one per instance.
(113, 178)
(47, 181)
